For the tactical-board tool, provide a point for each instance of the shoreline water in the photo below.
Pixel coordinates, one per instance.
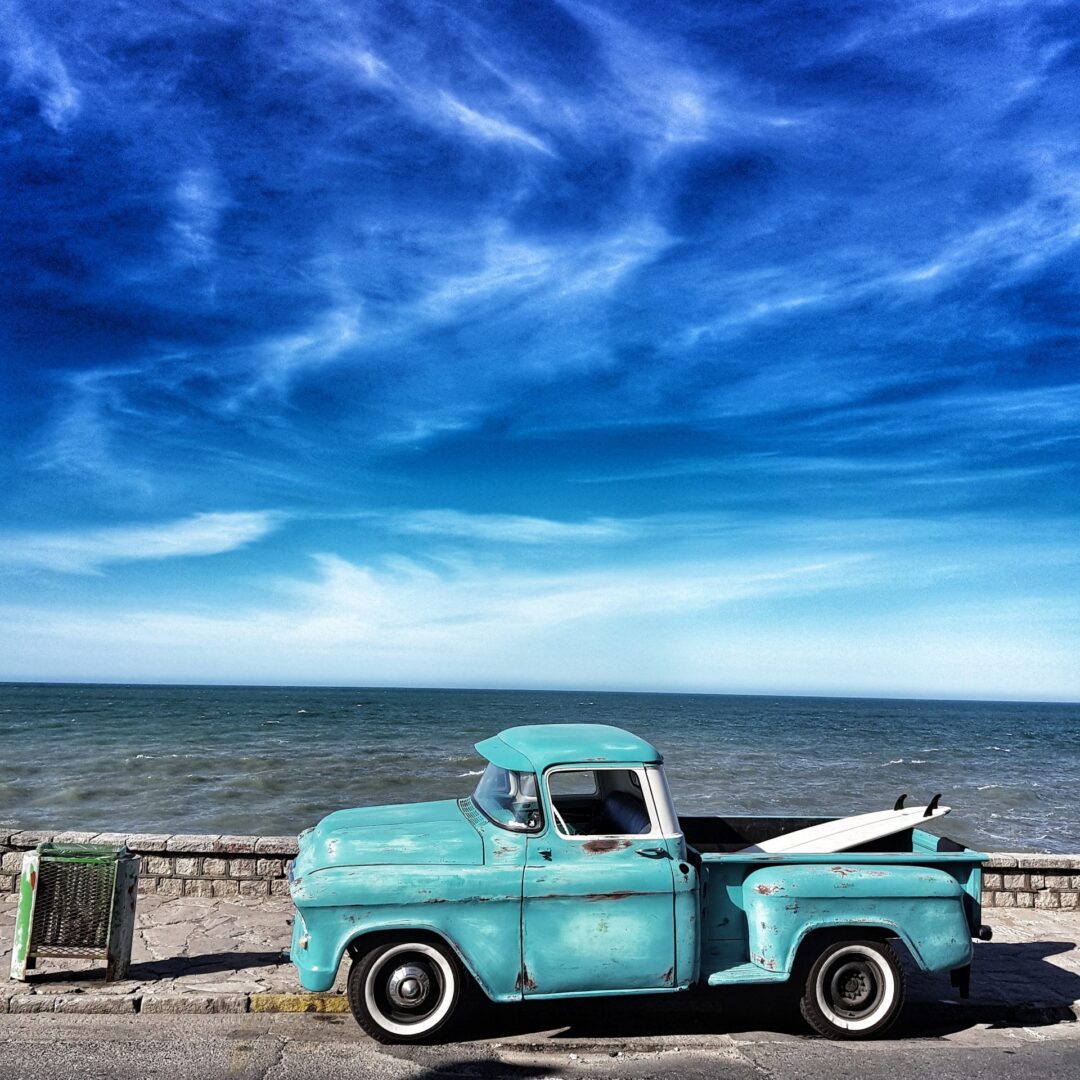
(276, 759)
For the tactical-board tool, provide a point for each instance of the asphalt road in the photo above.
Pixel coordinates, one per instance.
(276, 1047)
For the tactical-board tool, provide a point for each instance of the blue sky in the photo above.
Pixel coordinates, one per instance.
(658, 346)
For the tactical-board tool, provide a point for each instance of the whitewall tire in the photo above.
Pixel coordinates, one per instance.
(404, 991)
(853, 990)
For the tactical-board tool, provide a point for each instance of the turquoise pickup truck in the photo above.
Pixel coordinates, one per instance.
(568, 873)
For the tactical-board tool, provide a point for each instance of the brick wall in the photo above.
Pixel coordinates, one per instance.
(187, 865)
(176, 865)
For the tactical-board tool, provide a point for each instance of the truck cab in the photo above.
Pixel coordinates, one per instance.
(568, 873)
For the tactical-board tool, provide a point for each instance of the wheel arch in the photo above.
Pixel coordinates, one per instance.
(808, 947)
(365, 940)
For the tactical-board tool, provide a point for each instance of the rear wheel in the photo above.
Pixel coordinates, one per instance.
(853, 990)
(404, 991)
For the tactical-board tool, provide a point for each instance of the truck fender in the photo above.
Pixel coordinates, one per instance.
(355, 941)
(921, 906)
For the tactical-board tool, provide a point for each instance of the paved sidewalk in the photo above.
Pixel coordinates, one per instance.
(206, 955)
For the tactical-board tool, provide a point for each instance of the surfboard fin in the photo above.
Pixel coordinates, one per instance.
(899, 805)
(932, 805)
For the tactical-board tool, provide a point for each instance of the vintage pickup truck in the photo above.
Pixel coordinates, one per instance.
(568, 873)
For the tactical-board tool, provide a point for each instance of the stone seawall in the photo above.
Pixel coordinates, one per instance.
(192, 865)
(176, 865)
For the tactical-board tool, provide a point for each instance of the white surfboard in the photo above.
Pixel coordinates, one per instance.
(846, 833)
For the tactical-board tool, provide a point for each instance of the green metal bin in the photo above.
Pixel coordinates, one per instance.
(76, 901)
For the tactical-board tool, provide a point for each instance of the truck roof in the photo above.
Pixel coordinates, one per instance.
(535, 747)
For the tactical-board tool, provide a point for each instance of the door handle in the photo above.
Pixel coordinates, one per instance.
(654, 852)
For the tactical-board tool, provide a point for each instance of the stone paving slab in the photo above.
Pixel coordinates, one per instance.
(202, 955)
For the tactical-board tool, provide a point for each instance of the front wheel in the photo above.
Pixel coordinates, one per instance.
(404, 991)
(854, 989)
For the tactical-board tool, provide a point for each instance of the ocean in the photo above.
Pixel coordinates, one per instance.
(217, 759)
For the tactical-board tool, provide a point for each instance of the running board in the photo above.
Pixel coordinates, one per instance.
(746, 973)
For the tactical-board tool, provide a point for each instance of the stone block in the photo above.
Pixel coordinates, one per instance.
(1005, 899)
(28, 838)
(270, 868)
(74, 836)
(186, 867)
(279, 887)
(11, 863)
(256, 887)
(230, 1003)
(113, 839)
(276, 845)
(198, 887)
(1013, 882)
(213, 867)
(1047, 901)
(1000, 858)
(1069, 900)
(1074, 881)
(8, 883)
(242, 868)
(95, 1003)
(1039, 861)
(147, 885)
(144, 842)
(176, 1003)
(1025, 899)
(235, 845)
(170, 886)
(31, 1003)
(991, 881)
(1038, 881)
(225, 887)
(156, 865)
(191, 842)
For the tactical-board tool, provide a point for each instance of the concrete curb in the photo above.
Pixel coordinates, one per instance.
(190, 1004)
(931, 1015)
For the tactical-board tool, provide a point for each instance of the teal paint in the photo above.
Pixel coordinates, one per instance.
(596, 916)
(539, 746)
(923, 906)
(543, 915)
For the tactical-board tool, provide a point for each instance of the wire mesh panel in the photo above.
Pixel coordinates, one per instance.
(73, 905)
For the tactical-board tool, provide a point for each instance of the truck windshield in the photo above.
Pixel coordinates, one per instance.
(508, 798)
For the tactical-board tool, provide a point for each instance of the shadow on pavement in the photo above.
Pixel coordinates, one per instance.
(483, 1070)
(1013, 984)
(148, 970)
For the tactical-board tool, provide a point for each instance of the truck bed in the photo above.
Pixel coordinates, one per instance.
(726, 835)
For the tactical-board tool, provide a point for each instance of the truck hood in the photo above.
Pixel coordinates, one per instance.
(428, 833)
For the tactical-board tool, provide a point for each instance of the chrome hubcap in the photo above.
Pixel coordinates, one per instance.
(408, 986)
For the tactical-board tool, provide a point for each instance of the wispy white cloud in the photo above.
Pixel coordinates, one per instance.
(37, 68)
(707, 625)
(88, 551)
(542, 272)
(487, 128)
(511, 528)
(200, 201)
(430, 103)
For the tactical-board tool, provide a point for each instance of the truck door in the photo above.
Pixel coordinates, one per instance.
(598, 891)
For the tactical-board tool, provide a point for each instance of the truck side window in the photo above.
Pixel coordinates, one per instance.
(598, 802)
(570, 783)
